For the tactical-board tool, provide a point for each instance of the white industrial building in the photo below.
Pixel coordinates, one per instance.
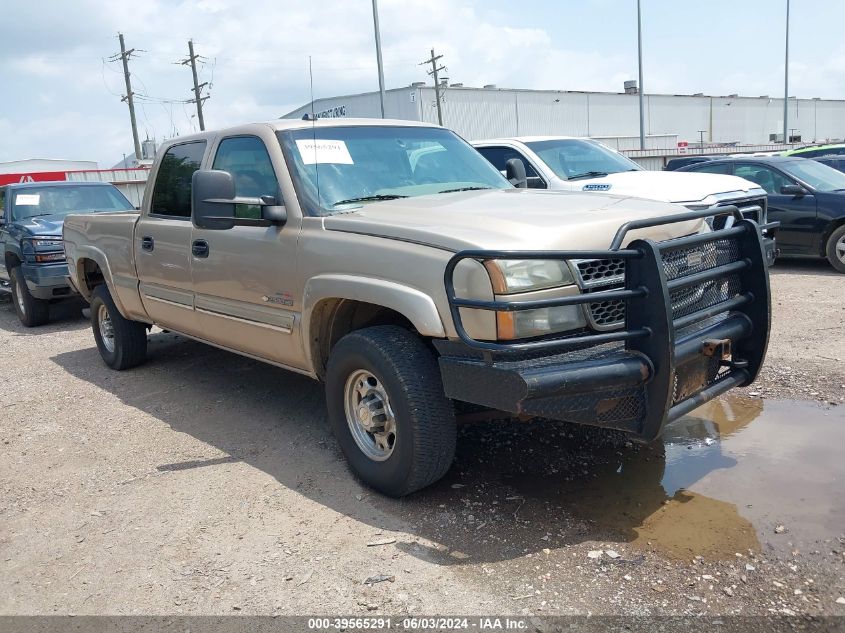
(670, 120)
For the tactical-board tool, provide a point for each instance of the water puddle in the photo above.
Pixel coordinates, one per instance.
(721, 481)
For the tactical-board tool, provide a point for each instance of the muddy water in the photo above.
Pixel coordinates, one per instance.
(732, 471)
(718, 483)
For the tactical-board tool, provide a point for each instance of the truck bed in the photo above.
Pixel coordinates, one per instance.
(106, 238)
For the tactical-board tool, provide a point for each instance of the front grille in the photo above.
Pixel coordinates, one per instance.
(684, 261)
(679, 262)
(752, 209)
(601, 272)
(608, 313)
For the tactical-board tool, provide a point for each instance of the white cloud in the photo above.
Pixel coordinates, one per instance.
(65, 101)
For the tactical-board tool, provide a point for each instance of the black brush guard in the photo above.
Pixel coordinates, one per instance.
(697, 317)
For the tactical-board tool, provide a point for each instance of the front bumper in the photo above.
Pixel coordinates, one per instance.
(697, 316)
(47, 281)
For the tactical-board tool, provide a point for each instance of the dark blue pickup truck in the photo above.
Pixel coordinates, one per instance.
(33, 264)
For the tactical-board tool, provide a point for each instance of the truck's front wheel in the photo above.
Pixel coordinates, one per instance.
(31, 311)
(388, 410)
(122, 343)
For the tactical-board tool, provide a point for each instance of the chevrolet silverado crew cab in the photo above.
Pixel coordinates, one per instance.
(391, 261)
(33, 264)
(565, 163)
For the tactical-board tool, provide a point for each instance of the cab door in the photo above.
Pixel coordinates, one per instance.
(796, 214)
(245, 278)
(163, 241)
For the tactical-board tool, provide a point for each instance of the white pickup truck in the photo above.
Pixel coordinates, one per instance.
(565, 163)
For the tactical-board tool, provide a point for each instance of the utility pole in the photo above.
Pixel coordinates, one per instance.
(640, 86)
(124, 56)
(192, 60)
(433, 72)
(786, 79)
(378, 57)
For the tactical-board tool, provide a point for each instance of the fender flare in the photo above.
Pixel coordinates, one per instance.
(414, 305)
(78, 277)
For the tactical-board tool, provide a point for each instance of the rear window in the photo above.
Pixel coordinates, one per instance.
(172, 193)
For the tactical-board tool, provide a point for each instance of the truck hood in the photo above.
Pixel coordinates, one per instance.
(670, 186)
(514, 219)
(47, 225)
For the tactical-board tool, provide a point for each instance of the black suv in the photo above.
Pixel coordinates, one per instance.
(805, 196)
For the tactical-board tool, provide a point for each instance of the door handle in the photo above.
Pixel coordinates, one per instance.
(199, 248)
(147, 243)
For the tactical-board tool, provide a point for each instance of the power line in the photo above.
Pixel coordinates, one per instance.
(433, 72)
(124, 56)
(198, 99)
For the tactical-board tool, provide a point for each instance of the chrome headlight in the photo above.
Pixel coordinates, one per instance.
(524, 275)
(509, 276)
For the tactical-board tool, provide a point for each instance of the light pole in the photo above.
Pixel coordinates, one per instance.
(640, 87)
(786, 79)
(701, 141)
(378, 57)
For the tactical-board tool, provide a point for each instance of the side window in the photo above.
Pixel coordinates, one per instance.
(499, 157)
(709, 168)
(246, 158)
(767, 178)
(172, 193)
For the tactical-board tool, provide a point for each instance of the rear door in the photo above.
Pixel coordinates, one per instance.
(163, 241)
(796, 214)
(245, 278)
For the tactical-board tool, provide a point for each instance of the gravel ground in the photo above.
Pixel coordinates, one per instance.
(205, 483)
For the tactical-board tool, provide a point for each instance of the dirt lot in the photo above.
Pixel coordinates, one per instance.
(205, 483)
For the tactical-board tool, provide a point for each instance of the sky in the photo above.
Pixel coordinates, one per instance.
(60, 95)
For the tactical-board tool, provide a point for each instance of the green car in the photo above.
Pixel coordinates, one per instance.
(816, 150)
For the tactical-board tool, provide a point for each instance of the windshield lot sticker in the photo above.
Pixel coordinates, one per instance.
(27, 199)
(596, 187)
(323, 151)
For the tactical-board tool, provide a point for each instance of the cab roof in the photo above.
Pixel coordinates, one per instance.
(278, 125)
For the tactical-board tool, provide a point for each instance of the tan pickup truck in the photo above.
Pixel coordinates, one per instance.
(393, 262)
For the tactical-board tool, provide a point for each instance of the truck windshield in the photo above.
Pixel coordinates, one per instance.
(573, 159)
(31, 202)
(337, 169)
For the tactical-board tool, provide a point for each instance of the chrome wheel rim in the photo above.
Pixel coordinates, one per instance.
(839, 249)
(369, 415)
(106, 328)
(19, 297)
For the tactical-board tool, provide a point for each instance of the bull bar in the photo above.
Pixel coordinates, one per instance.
(697, 320)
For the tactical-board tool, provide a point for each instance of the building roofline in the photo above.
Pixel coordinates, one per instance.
(559, 92)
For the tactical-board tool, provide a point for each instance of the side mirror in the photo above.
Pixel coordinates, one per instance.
(793, 190)
(213, 203)
(515, 173)
(212, 199)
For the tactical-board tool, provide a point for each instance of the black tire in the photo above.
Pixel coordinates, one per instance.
(833, 242)
(129, 338)
(32, 312)
(425, 429)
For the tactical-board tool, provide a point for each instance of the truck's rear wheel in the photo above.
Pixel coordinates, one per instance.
(31, 311)
(388, 410)
(836, 249)
(122, 343)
